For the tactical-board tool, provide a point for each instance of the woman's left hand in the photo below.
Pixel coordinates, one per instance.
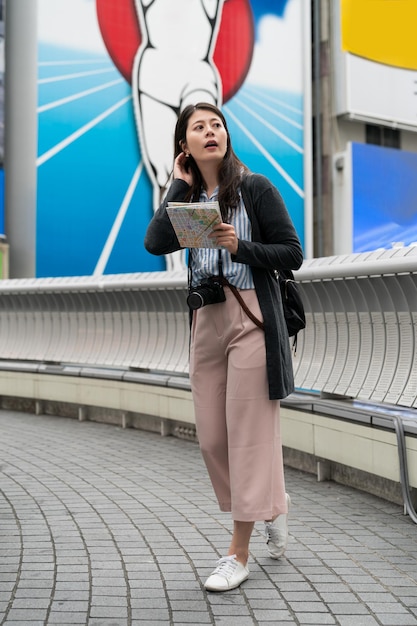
(225, 237)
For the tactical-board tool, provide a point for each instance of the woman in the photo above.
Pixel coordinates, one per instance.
(238, 370)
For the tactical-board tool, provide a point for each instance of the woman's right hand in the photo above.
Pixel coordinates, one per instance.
(181, 170)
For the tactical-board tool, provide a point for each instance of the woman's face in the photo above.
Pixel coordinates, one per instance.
(206, 138)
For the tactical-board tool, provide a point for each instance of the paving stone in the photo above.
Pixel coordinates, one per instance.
(111, 527)
(357, 620)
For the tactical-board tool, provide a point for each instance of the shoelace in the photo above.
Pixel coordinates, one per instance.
(226, 566)
(273, 533)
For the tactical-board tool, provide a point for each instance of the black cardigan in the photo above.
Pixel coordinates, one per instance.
(274, 245)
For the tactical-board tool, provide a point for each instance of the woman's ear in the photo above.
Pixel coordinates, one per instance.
(183, 146)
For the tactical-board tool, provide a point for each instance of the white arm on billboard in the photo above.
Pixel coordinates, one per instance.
(173, 68)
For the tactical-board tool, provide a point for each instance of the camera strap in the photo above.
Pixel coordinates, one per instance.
(223, 280)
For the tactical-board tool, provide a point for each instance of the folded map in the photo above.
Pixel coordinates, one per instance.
(193, 222)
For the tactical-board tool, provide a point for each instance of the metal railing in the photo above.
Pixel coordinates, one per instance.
(136, 321)
(360, 341)
(361, 335)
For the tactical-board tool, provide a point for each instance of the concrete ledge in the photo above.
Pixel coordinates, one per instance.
(344, 475)
(152, 400)
(360, 446)
(359, 455)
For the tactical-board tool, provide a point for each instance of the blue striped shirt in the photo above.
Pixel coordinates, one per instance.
(205, 261)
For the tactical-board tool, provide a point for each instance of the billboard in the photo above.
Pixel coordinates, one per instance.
(376, 61)
(384, 196)
(113, 75)
(375, 198)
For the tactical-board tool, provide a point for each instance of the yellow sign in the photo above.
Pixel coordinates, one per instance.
(381, 30)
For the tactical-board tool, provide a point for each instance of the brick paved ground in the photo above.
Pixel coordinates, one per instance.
(104, 526)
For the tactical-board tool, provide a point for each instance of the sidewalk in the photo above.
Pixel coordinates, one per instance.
(111, 527)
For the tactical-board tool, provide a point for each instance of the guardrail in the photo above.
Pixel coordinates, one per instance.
(361, 336)
(360, 341)
(136, 321)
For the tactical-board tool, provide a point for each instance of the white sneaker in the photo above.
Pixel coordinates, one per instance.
(228, 574)
(276, 533)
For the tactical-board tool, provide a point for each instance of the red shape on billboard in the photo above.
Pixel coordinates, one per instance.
(232, 54)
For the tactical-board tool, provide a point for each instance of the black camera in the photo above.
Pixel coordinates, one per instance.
(209, 291)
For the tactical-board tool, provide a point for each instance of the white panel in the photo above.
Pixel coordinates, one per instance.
(319, 349)
(329, 356)
(340, 360)
(305, 357)
(352, 336)
(406, 351)
(364, 355)
(409, 395)
(393, 102)
(377, 358)
(389, 363)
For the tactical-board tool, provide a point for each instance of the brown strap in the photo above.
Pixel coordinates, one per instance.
(242, 303)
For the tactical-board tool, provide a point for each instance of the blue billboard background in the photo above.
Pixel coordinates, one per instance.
(384, 192)
(94, 197)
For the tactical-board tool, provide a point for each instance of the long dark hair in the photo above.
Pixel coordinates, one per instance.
(230, 171)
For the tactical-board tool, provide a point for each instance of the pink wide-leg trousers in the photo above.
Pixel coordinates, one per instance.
(238, 426)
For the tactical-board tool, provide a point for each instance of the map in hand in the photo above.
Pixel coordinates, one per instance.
(193, 222)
